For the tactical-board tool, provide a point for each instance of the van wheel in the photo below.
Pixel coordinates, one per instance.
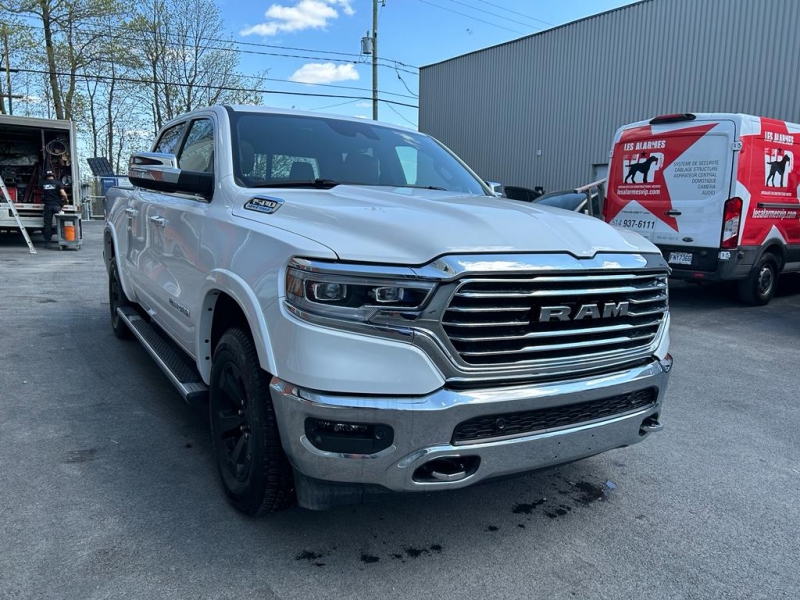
(117, 299)
(255, 472)
(759, 287)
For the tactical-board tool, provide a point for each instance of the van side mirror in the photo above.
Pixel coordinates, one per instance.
(160, 172)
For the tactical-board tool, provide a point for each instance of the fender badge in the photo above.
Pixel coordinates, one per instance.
(264, 204)
(688, 240)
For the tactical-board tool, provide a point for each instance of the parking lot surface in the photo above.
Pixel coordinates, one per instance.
(109, 490)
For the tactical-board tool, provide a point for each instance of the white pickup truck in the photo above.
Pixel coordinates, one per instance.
(364, 316)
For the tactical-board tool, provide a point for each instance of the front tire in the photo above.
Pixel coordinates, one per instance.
(117, 299)
(759, 287)
(254, 470)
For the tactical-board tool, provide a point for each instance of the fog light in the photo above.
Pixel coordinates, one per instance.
(348, 438)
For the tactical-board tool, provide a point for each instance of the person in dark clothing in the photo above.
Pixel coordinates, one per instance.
(54, 200)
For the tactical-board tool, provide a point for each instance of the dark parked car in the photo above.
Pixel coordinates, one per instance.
(587, 199)
(520, 193)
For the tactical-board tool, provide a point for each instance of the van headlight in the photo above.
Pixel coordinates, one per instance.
(353, 297)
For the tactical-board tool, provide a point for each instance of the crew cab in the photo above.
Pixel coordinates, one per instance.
(364, 316)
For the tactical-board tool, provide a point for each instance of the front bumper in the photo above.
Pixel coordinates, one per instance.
(423, 432)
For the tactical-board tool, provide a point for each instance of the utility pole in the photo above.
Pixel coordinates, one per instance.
(375, 60)
(8, 70)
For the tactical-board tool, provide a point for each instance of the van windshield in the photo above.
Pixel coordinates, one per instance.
(272, 150)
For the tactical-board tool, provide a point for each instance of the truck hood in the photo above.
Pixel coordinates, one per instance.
(412, 226)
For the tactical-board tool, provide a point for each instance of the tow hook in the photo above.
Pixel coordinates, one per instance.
(650, 425)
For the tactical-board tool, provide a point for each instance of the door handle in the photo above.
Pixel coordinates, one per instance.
(673, 213)
(160, 221)
(131, 212)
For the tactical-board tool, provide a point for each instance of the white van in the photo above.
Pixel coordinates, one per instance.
(719, 194)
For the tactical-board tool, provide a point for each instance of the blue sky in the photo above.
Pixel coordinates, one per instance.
(414, 32)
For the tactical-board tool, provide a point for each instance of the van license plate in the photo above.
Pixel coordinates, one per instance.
(680, 258)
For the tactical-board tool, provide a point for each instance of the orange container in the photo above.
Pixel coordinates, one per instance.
(69, 232)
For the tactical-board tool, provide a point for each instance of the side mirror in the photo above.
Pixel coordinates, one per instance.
(160, 172)
(497, 188)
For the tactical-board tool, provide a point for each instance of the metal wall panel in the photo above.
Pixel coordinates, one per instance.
(543, 109)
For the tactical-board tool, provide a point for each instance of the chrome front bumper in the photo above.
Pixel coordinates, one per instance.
(423, 431)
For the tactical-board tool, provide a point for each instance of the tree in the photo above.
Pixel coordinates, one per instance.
(14, 37)
(121, 70)
(187, 58)
(71, 31)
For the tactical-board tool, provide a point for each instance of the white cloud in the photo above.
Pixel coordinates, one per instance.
(345, 4)
(364, 104)
(324, 73)
(305, 14)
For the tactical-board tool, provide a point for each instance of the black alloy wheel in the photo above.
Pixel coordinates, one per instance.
(233, 427)
(254, 470)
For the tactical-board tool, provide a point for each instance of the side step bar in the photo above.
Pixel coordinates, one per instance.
(175, 364)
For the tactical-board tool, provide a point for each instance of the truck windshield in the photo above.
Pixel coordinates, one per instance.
(272, 150)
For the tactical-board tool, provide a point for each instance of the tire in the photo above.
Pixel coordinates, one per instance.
(253, 468)
(759, 287)
(117, 299)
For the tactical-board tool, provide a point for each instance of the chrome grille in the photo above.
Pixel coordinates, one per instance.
(496, 320)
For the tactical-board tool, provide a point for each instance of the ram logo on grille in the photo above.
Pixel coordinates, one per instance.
(585, 311)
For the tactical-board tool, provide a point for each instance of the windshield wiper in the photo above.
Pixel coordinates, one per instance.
(320, 184)
(424, 187)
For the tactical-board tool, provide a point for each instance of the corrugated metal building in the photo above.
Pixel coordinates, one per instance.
(542, 110)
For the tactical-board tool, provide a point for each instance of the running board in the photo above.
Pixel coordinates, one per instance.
(175, 364)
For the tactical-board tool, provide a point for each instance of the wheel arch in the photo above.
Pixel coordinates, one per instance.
(777, 248)
(109, 246)
(228, 301)
(110, 255)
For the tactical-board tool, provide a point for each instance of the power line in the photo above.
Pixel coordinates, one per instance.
(330, 85)
(397, 112)
(266, 78)
(211, 87)
(517, 13)
(261, 45)
(129, 37)
(403, 81)
(489, 13)
(332, 105)
(473, 18)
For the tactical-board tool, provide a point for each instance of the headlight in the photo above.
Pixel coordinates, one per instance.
(353, 297)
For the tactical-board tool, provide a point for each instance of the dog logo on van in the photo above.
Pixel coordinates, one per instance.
(776, 163)
(641, 164)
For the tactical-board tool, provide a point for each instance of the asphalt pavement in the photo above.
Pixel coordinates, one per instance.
(108, 487)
